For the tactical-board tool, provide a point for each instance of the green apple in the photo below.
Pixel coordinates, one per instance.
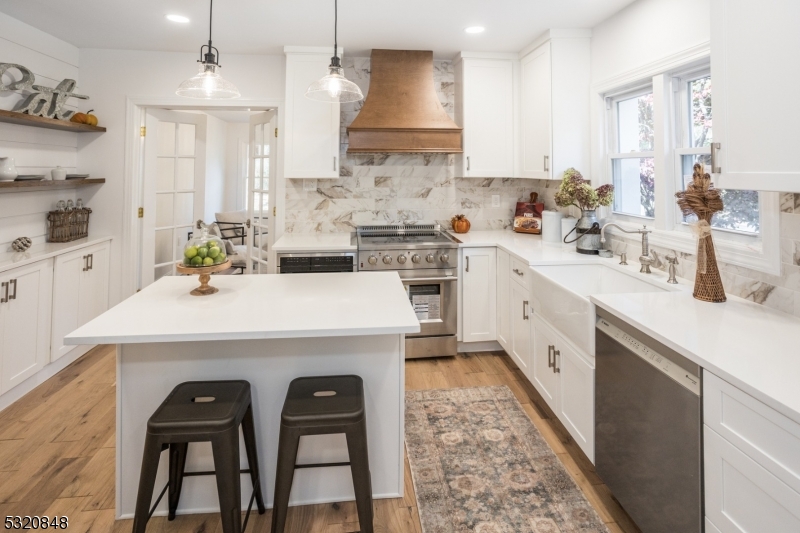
(202, 252)
(190, 252)
(213, 252)
(208, 262)
(187, 261)
(197, 261)
(219, 259)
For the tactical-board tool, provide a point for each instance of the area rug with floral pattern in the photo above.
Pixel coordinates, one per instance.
(480, 465)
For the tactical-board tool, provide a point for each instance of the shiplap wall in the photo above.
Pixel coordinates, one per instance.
(35, 150)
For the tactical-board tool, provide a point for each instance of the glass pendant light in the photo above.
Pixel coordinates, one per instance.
(208, 84)
(335, 87)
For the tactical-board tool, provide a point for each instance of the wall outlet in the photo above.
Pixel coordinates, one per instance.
(309, 185)
(495, 200)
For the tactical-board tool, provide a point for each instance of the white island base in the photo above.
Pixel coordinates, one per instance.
(148, 372)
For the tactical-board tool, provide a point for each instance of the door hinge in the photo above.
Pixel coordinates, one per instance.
(143, 131)
(274, 211)
(141, 212)
(276, 132)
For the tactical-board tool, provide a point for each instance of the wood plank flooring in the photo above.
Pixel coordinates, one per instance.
(57, 453)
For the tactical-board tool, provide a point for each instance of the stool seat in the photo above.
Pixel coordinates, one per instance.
(201, 407)
(326, 400)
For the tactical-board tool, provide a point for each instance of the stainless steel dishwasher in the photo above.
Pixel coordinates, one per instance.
(648, 428)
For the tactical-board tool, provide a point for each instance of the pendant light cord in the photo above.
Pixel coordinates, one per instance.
(210, 15)
(335, 28)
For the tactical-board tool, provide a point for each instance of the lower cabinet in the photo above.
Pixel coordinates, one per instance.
(479, 294)
(565, 380)
(80, 293)
(503, 300)
(25, 304)
(520, 327)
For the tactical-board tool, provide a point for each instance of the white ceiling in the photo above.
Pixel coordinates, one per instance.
(265, 26)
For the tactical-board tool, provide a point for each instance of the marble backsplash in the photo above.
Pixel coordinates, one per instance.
(397, 188)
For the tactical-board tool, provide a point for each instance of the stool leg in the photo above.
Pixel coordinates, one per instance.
(287, 457)
(147, 480)
(177, 465)
(229, 485)
(249, 432)
(362, 480)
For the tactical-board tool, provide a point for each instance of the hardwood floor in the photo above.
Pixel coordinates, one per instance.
(57, 452)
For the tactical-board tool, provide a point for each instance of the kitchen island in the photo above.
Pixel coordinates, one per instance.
(268, 330)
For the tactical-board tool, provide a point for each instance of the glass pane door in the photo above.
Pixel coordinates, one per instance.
(260, 205)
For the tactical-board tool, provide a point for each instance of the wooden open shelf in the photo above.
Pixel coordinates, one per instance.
(19, 186)
(12, 117)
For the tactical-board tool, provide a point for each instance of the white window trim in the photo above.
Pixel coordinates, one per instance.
(762, 254)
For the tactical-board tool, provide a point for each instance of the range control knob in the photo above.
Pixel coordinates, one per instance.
(429, 258)
(387, 259)
(444, 258)
(415, 258)
(402, 259)
(372, 260)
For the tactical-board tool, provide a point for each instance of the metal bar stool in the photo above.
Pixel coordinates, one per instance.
(320, 406)
(201, 411)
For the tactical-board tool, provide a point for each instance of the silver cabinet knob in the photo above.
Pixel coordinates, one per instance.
(402, 259)
(415, 258)
(429, 258)
(444, 258)
(372, 260)
(387, 259)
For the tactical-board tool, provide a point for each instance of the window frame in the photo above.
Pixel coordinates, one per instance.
(760, 253)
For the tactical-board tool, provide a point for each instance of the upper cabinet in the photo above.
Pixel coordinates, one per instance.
(554, 102)
(754, 146)
(312, 127)
(484, 107)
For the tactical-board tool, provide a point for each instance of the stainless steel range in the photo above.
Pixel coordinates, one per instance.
(426, 258)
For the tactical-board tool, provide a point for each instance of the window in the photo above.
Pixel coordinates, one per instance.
(695, 134)
(632, 162)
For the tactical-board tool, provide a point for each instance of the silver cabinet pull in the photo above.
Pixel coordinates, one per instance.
(546, 163)
(550, 363)
(85, 263)
(518, 272)
(467, 163)
(467, 269)
(4, 286)
(14, 295)
(334, 163)
(91, 261)
(556, 367)
(715, 147)
(525, 310)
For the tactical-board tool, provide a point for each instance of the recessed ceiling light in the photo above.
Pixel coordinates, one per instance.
(178, 18)
(475, 29)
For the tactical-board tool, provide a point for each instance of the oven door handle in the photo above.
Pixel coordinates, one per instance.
(428, 280)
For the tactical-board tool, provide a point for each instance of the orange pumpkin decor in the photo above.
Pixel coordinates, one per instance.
(84, 118)
(460, 224)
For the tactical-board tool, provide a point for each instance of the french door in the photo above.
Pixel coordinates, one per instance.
(173, 189)
(260, 190)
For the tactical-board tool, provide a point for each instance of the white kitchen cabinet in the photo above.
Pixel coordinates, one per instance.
(479, 294)
(554, 100)
(25, 304)
(544, 377)
(311, 144)
(576, 401)
(484, 107)
(757, 134)
(80, 293)
(520, 327)
(503, 300)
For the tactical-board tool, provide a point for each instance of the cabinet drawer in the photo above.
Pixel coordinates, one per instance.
(765, 435)
(519, 271)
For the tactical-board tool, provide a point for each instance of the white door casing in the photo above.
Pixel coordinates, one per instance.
(261, 190)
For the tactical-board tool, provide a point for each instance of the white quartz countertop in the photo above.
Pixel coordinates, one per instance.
(315, 242)
(751, 346)
(525, 246)
(257, 307)
(39, 252)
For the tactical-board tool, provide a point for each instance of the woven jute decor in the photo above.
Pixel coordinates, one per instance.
(701, 199)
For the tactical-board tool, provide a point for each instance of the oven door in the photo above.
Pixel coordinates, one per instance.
(434, 302)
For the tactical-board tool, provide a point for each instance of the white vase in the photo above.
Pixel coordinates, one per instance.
(58, 174)
(8, 172)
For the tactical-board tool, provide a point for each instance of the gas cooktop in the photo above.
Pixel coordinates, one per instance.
(406, 247)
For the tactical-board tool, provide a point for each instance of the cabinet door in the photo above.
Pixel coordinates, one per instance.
(751, 44)
(545, 379)
(576, 402)
(94, 285)
(25, 343)
(503, 300)
(69, 275)
(312, 127)
(742, 496)
(536, 113)
(520, 328)
(479, 294)
(488, 117)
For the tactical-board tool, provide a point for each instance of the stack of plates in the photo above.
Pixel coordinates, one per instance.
(30, 177)
(77, 176)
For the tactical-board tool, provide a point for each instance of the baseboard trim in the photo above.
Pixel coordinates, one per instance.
(483, 346)
(50, 370)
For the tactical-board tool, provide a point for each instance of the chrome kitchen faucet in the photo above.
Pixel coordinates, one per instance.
(645, 260)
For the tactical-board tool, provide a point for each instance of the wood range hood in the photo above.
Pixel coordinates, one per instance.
(402, 113)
